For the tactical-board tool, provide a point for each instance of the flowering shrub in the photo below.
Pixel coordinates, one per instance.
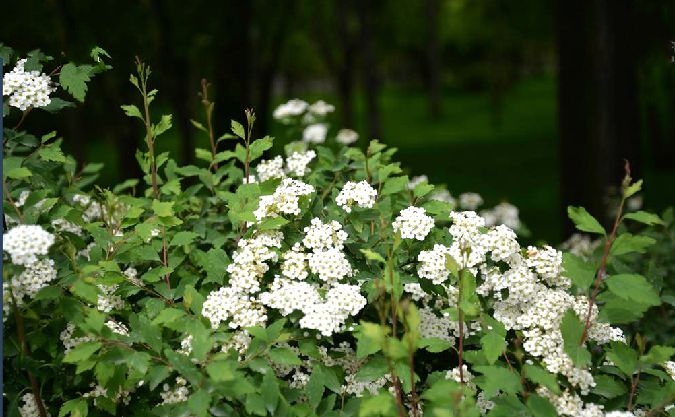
(320, 282)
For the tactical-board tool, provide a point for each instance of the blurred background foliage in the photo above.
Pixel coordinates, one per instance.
(536, 102)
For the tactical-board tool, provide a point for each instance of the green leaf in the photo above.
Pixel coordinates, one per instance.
(627, 243)
(632, 189)
(644, 217)
(258, 147)
(581, 273)
(139, 361)
(238, 129)
(52, 152)
(497, 378)
(18, 173)
(75, 408)
(434, 344)
(373, 256)
(163, 209)
(272, 223)
(623, 357)
(608, 386)
(540, 407)
(199, 403)
(163, 125)
(493, 342)
(183, 238)
(469, 302)
(269, 389)
(74, 79)
(157, 374)
(132, 111)
(572, 329)
(221, 371)
(82, 352)
(633, 287)
(542, 377)
(284, 356)
(370, 338)
(657, 355)
(379, 405)
(394, 185)
(56, 104)
(584, 221)
(422, 189)
(168, 316)
(156, 274)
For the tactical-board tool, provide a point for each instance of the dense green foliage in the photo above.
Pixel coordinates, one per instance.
(319, 283)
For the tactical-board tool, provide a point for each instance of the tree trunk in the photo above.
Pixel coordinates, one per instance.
(369, 66)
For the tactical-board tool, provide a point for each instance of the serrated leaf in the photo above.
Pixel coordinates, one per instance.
(572, 329)
(608, 386)
(52, 152)
(258, 147)
(496, 378)
(373, 256)
(183, 238)
(74, 79)
(623, 357)
(540, 407)
(18, 173)
(284, 356)
(74, 408)
(163, 125)
(542, 377)
(581, 272)
(394, 185)
(627, 243)
(379, 405)
(269, 389)
(163, 209)
(221, 371)
(644, 217)
(82, 352)
(584, 221)
(132, 111)
(633, 287)
(632, 189)
(493, 342)
(238, 129)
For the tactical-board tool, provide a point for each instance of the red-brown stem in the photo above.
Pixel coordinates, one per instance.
(165, 260)
(600, 276)
(633, 388)
(208, 109)
(460, 318)
(11, 200)
(21, 332)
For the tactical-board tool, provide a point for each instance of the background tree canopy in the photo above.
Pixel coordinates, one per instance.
(525, 97)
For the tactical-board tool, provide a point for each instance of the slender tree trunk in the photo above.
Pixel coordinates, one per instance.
(597, 102)
(369, 65)
(433, 52)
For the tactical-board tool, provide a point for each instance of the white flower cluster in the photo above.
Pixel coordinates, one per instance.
(63, 225)
(27, 88)
(315, 133)
(670, 368)
(237, 303)
(581, 245)
(570, 404)
(178, 394)
(285, 200)
(413, 223)
(99, 391)
(25, 242)
(470, 201)
(292, 108)
(529, 290)
(328, 317)
(35, 277)
(321, 108)
(415, 181)
(92, 209)
(296, 166)
(69, 339)
(117, 328)
(433, 326)
(360, 193)
(239, 342)
(30, 406)
(273, 168)
(503, 213)
(107, 300)
(346, 136)
(321, 236)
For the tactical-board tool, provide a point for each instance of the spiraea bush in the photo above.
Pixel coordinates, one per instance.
(322, 282)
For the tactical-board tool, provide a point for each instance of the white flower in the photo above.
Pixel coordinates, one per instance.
(470, 201)
(321, 108)
(503, 213)
(319, 235)
(30, 406)
(118, 328)
(413, 223)
(315, 133)
(294, 107)
(285, 199)
(35, 277)
(273, 168)
(415, 181)
(346, 136)
(360, 193)
(296, 163)
(25, 242)
(27, 88)
(330, 264)
(178, 394)
(107, 300)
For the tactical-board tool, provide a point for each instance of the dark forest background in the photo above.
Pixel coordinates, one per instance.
(534, 101)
